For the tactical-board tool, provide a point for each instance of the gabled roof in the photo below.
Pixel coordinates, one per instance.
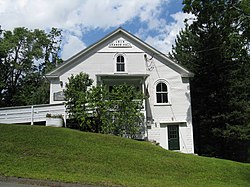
(149, 49)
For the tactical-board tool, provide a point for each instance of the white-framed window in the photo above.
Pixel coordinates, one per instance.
(161, 92)
(120, 63)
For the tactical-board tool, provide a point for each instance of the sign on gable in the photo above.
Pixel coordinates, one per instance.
(120, 43)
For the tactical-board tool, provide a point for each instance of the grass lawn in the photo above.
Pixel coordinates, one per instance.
(66, 155)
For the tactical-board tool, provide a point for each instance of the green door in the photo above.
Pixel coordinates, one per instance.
(173, 137)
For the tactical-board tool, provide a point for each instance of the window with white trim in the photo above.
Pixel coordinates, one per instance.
(161, 93)
(120, 63)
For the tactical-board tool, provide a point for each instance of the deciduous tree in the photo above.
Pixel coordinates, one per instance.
(76, 99)
(24, 54)
(97, 109)
(127, 104)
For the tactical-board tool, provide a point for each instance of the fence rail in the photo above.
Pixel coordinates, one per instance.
(30, 114)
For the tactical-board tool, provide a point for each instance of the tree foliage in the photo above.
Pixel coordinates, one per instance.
(99, 103)
(216, 49)
(118, 111)
(97, 110)
(76, 98)
(25, 56)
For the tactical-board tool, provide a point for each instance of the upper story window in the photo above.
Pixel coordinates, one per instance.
(161, 93)
(120, 63)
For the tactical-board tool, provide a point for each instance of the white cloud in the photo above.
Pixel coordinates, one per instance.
(167, 33)
(75, 14)
(76, 17)
(72, 46)
(107, 13)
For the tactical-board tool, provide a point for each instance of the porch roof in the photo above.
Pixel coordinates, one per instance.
(122, 76)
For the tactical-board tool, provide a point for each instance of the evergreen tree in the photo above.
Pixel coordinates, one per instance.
(216, 49)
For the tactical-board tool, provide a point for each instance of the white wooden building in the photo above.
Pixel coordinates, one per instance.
(119, 58)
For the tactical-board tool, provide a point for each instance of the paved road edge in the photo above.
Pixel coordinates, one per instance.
(40, 182)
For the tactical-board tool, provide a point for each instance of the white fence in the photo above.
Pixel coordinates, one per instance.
(30, 114)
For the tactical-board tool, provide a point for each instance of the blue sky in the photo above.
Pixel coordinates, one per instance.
(134, 25)
(84, 22)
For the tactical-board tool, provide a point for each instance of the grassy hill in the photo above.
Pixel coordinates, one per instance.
(66, 155)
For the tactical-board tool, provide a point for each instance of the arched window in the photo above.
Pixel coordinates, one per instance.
(120, 63)
(161, 93)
